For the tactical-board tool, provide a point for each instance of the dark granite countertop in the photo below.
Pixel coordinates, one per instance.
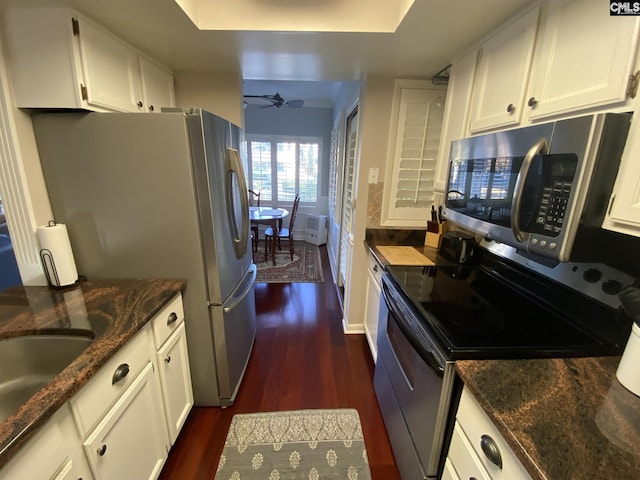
(563, 418)
(114, 310)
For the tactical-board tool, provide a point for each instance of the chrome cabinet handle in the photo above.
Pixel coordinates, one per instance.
(491, 450)
(172, 318)
(167, 360)
(532, 102)
(121, 372)
(510, 108)
(541, 146)
(102, 450)
(151, 109)
(139, 104)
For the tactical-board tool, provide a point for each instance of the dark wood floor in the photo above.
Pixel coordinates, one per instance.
(301, 359)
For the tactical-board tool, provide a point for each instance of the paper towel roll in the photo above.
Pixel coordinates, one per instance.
(56, 254)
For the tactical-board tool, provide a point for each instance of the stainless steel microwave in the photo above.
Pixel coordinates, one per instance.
(537, 188)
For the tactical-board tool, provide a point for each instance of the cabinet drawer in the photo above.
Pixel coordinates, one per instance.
(475, 423)
(375, 269)
(463, 458)
(90, 404)
(167, 320)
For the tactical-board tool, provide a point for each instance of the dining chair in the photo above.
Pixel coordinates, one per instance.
(254, 201)
(269, 236)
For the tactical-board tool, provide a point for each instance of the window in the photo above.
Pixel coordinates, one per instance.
(280, 167)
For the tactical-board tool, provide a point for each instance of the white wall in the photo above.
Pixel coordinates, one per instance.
(218, 93)
(311, 122)
(375, 109)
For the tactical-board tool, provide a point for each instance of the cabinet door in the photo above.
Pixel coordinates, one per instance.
(157, 86)
(130, 441)
(110, 69)
(53, 453)
(373, 305)
(503, 73)
(584, 60)
(624, 210)
(175, 381)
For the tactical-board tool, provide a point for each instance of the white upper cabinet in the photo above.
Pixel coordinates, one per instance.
(157, 86)
(109, 68)
(61, 59)
(584, 59)
(624, 205)
(503, 73)
(560, 58)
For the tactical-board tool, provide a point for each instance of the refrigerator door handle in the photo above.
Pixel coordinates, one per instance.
(242, 291)
(242, 234)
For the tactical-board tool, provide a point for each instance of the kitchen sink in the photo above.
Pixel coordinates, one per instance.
(28, 363)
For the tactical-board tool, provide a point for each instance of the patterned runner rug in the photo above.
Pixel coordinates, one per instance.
(295, 445)
(305, 267)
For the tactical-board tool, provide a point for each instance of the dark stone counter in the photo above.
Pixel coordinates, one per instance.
(113, 310)
(563, 418)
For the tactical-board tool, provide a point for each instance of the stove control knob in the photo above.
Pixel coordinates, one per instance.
(592, 275)
(611, 287)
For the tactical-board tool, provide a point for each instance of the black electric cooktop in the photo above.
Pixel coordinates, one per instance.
(498, 310)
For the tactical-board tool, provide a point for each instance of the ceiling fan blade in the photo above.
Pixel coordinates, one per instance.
(277, 101)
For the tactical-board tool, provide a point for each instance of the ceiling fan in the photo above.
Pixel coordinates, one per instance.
(277, 101)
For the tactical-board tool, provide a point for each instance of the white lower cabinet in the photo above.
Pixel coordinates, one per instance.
(130, 441)
(122, 423)
(175, 381)
(449, 472)
(54, 453)
(477, 449)
(372, 306)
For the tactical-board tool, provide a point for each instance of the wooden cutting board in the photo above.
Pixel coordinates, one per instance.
(397, 255)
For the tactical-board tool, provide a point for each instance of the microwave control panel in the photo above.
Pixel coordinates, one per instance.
(552, 208)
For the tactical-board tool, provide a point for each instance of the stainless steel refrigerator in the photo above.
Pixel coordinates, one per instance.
(162, 195)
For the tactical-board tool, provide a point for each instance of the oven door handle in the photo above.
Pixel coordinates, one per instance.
(409, 333)
(541, 146)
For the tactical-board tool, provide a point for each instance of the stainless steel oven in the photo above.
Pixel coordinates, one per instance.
(413, 381)
(430, 317)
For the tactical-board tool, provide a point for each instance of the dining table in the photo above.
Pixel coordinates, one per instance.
(272, 217)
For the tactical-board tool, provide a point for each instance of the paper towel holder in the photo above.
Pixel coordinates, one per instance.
(49, 264)
(49, 267)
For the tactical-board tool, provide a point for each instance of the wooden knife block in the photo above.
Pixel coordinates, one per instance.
(434, 234)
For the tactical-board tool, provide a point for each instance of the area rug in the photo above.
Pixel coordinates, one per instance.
(305, 267)
(295, 445)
